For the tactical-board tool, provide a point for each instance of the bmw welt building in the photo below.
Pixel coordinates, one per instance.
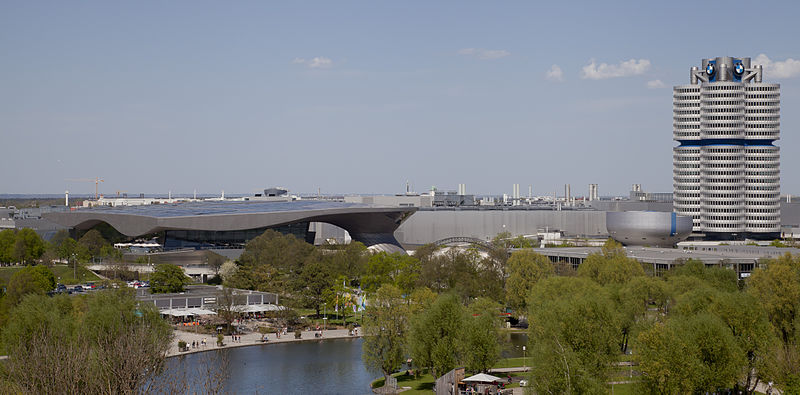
(224, 224)
(726, 169)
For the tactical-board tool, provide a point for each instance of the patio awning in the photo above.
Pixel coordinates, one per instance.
(187, 312)
(199, 311)
(482, 378)
(260, 308)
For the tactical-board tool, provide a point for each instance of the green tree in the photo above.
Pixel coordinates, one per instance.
(398, 269)
(632, 300)
(168, 278)
(662, 357)
(505, 240)
(229, 306)
(751, 329)
(777, 288)
(573, 335)
(93, 242)
(420, 299)
(7, 239)
(718, 278)
(271, 262)
(479, 337)
(101, 343)
(611, 265)
(690, 354)
(37, 280)
(314, 279)
(214, 260)
(28, 246)
(525, 269)
(350, 261)
(385, 327)
(434, 337)
(466, 273)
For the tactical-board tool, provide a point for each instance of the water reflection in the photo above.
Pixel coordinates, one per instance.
(324, 367)
(512, 344)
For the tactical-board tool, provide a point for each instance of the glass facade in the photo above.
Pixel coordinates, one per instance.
(209, 239)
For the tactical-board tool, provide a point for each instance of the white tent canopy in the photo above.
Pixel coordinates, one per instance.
(259, 308)
(187, 312)
(482, 378)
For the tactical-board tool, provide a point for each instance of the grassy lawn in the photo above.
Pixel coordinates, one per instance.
(422, 385)
(66, 274)
(512, 362)
(62, 271)
(333, 320)
(7, 272)
(625, 389)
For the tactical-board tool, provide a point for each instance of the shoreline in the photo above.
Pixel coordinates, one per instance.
(250, 339)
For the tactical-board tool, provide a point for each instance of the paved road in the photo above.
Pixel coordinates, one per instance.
(249, 339)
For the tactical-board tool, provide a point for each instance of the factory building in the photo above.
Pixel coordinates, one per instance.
(726, 168)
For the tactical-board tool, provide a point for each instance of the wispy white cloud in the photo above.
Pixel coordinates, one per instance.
(655, 84)
(319, 62)
(779, 69)
(594, 71)
(484, 54)
(555, 73)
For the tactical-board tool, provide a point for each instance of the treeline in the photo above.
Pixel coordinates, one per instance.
(438, 332)
(696, 330)
(25, 246)
(101, 343)
(31, 202)
(313, 276)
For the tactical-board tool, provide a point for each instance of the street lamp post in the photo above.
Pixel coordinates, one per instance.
(324, 315)
(524, 363)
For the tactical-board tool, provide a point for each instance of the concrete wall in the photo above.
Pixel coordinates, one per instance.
(427, 226)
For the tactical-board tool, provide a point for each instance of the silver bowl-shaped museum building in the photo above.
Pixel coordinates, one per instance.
(648, 228)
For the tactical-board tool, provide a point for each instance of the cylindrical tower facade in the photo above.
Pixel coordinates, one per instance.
(686, 158)
(726, 168)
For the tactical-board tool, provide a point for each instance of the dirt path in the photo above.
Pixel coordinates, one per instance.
(250, 339)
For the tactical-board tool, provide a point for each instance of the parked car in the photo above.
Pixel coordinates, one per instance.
(78, 288)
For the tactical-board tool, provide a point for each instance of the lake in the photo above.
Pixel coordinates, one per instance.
(319, 367)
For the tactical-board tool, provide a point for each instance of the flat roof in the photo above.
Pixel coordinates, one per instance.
(194, 209)
(195, 291)
(654, 255)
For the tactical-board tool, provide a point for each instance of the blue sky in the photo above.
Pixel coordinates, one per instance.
(358, 97)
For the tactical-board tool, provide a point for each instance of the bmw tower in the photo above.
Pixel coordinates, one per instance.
(726, 168)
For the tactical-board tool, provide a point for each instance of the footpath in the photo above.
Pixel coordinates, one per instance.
(250, 339)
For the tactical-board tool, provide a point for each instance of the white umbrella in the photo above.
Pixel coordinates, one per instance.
(482, 378)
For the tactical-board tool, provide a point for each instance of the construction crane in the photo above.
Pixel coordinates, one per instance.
(96, 181)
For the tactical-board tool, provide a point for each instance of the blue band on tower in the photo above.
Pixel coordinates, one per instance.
(705, 142)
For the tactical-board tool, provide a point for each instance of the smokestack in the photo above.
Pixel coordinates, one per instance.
(66, 198)
(567, 194)
(530, 191)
